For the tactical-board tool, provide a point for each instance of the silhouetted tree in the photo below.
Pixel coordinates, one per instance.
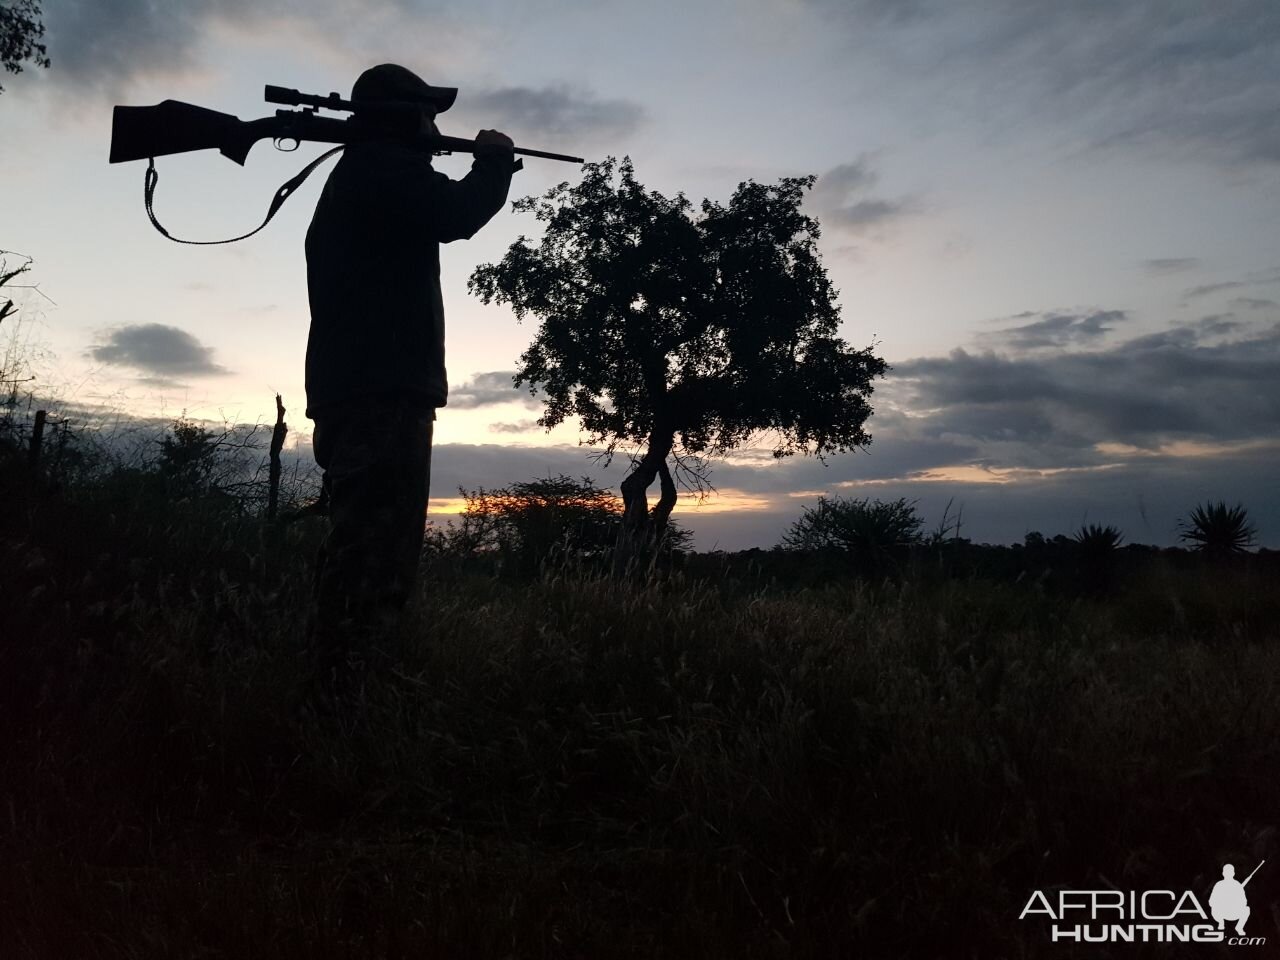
(683, 335)
(215, 468)
(188, 454)
(20, 33)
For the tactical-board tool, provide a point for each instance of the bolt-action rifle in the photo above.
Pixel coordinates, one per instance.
(144, 133)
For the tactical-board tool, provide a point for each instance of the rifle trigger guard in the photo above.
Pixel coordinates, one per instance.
(279, 142)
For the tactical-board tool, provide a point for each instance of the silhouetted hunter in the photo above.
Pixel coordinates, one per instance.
(375, 370)
(375, 357)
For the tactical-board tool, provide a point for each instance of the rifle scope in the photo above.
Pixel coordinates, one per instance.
(293, 98)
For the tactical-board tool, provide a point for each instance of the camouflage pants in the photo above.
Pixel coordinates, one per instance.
(377, 464)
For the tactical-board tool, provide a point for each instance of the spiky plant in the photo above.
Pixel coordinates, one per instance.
(1217, 529)
(1095, 539)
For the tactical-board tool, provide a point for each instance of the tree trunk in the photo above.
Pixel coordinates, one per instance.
(637, 530)
(666, 503)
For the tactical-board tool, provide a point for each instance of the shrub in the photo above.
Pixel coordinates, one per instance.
(1095, 539)
(1217, 530)
(524, 525)
(873, 534)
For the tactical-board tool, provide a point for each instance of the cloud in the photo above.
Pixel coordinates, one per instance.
(520, 426)
(1259, 278)
(94, 44)
(1254, 303)
(557, 112)
(1219, 324)
(1205, 289)
(1057, 329)
(105, 48)
(840, 198)
(1167, 265)
(157, 350)
(1264, 277)
(487, 389)
(1186, 384)
(1144, 72)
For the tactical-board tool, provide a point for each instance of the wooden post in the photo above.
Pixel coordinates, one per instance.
(277, 444)
(37, 437)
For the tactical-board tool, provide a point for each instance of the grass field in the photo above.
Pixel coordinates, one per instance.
(703, 764)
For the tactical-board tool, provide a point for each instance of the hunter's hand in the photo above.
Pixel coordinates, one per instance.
(493, 139)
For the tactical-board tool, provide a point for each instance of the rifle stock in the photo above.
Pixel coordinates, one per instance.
(139, 133)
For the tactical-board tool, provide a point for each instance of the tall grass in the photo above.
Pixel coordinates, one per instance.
(577, 767)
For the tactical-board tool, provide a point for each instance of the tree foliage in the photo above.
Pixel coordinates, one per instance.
(195, 462)
(684, 335)
(20, 31)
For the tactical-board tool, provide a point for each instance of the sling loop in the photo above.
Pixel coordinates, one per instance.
(286, 190)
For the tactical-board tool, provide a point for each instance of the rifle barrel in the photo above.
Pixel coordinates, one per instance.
(467, 146)
(1255, 870)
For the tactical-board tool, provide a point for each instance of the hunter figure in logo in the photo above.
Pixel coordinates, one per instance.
(375, 370)
(1228, 902)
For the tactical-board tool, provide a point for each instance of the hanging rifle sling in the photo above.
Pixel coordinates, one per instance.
(286, 190)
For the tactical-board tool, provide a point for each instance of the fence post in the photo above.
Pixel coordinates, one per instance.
(37, 437)
(277, 444)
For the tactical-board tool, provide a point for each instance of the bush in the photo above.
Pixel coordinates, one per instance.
(526, 525)
(872, 534)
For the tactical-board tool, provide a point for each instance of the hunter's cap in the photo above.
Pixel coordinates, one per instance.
(390, 81)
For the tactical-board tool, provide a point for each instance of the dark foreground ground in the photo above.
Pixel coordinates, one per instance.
(699, 766)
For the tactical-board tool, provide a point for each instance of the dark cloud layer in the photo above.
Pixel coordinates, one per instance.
(161, 351)
(1177, 385)
(487, 389)
(1057, 329)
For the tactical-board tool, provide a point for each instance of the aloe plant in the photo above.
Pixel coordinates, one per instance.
(1097, 539)
(1215, 528)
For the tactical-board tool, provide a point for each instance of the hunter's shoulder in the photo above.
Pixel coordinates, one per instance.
(384, 155)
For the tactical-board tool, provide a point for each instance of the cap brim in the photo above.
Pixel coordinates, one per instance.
(442, 98)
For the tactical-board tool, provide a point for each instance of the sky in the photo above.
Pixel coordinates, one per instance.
(1055, 219)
